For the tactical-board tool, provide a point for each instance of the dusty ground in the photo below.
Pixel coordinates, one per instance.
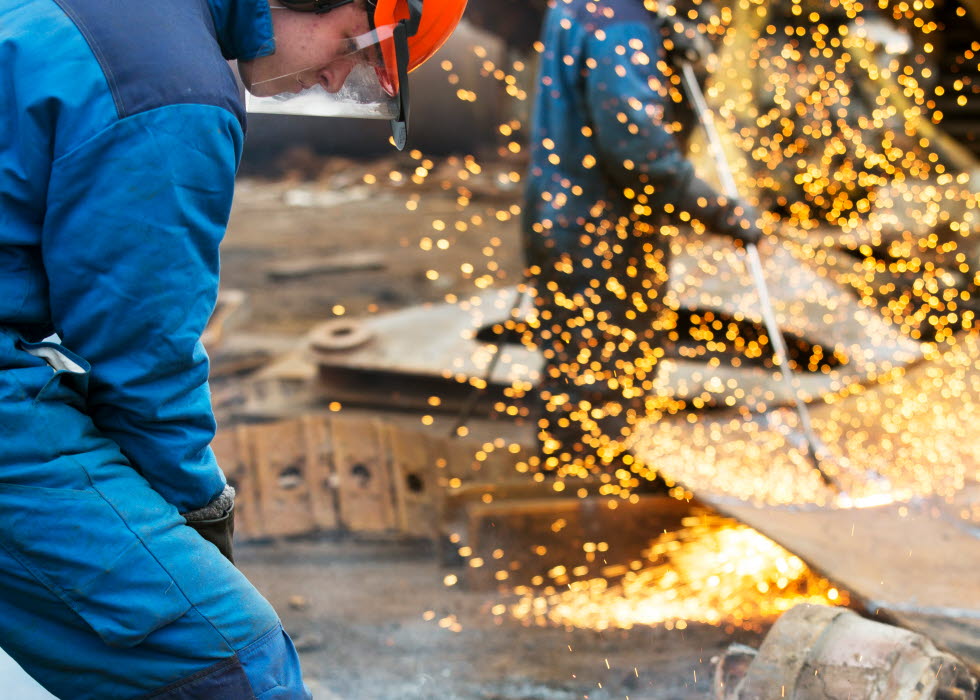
(338, 213)
(358, 610)
(362, 633)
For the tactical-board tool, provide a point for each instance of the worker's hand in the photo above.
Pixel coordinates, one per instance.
(685, 42)
(215, 522)
(719, 214)
(739, 220)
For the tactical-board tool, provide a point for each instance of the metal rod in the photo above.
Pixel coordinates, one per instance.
(816, 449)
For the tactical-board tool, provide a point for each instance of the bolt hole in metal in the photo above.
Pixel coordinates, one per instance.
(415, 483)
(362, 474)
(291, 477)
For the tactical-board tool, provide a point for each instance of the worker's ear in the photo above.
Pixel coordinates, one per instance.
(236, 71)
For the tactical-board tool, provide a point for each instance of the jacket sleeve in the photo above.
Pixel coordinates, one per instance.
(130, 245)
(630, 106)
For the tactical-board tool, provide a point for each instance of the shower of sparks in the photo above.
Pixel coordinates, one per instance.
(832, 114)
(872, 214)
(713, 570)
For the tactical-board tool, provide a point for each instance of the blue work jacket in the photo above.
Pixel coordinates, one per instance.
(607, 149)
(121, 132)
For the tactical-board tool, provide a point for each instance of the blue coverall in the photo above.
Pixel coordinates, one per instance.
(121, 132)
(607, 169)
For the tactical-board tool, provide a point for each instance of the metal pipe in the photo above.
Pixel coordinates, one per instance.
(816, 450)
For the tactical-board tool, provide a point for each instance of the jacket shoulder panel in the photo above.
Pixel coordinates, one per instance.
(598, 15)
(155, 54)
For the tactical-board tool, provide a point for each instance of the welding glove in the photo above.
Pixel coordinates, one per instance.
(734, 218)
(685, 42)
(215, 522)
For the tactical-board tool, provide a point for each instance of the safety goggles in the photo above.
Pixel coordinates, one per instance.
(362, 77)
(318, 6)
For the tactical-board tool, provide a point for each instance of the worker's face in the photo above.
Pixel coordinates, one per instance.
(311, 49)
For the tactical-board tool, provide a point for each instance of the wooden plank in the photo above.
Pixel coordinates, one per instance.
(228, 303)
(280, 455)
(321, 472)
(500, 463)
(471, 460)
(461, 463)
(415, 482)
(230, 449)
(342, 262)
(406, 493)
(363, 477)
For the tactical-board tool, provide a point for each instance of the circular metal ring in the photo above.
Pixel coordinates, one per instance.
(339, 334)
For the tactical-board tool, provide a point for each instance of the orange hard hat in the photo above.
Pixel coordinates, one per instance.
(429, 23)
(427, 27)
(419, 28)
(406, 33)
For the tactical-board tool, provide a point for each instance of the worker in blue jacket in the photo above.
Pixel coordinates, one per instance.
(122, 128)
(607, 169)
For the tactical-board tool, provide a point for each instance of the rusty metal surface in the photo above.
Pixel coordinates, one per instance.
(911, 556)
(352, 473)
(912, 564)
(908, 445)
(438, 340)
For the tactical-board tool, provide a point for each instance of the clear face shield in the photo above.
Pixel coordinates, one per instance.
(348, 78)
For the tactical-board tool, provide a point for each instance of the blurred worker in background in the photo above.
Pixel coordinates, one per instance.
(121, 133)
(608, 168)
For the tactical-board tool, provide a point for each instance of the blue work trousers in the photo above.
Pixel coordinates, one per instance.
(104, 591)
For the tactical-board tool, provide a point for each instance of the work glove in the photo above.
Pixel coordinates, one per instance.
(727, 217)
(215, 522)
(684, 42)
(738, 219)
